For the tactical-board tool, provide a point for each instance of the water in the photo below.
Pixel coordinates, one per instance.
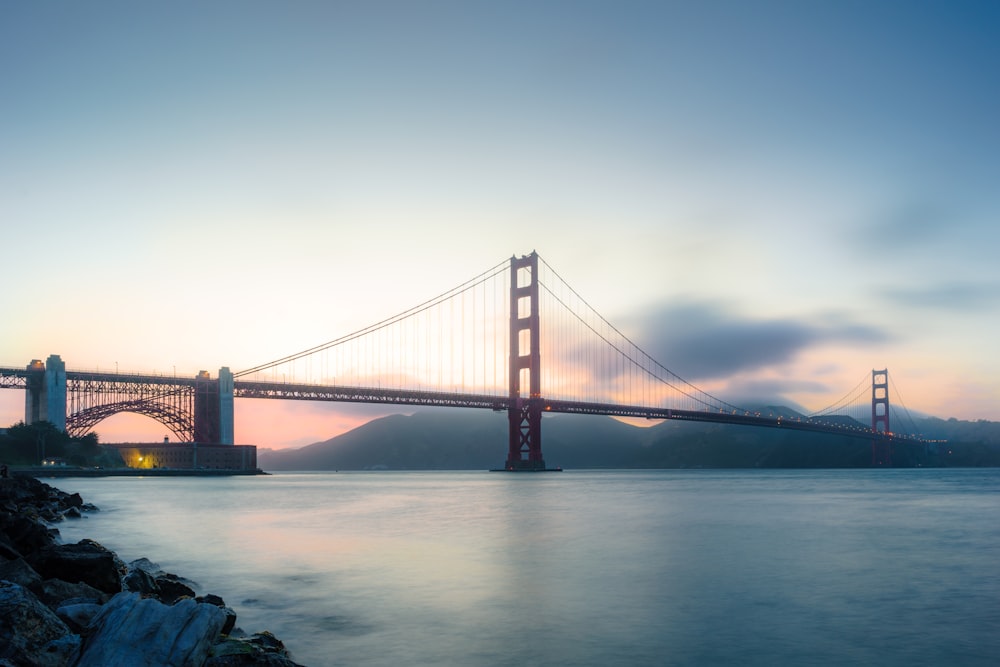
(887, 567)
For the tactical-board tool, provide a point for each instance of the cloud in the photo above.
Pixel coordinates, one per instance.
(948, 296)
(704, 341)
(755, 392)
(913, 225)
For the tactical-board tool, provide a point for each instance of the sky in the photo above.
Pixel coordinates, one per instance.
(773, 198)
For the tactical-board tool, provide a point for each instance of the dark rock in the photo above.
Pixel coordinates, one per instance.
(217, 601)
(85, 561)
(78, 615)
(267, 642)
(72, 513)
(260, 649)
(141, 582)
(230, 623)
(30, 633)
(145, 565)
(19, 572)
(26, 535)
(23, 490)
(211, 598)
(56, 592)
(173, 588)
(72, 500)
(129, 630)
(50, 515)
(251, 660)
(7, 549)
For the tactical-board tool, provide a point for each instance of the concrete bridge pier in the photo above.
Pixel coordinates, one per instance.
(213, 408)
(45, 398)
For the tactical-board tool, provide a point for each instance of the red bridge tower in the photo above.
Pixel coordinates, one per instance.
(525, 413)
(881, 446)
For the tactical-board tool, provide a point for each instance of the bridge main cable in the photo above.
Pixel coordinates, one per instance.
(686, 388)
(468, 284)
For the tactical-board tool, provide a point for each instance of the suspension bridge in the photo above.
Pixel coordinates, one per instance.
(479, 345)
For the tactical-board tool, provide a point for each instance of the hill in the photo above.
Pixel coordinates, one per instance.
(456, 439)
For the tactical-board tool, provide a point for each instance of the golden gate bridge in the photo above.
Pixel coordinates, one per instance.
(516, 338)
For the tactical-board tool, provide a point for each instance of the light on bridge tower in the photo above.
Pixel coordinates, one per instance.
(525, 413)
(881, 445)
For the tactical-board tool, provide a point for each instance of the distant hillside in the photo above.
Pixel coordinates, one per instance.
(456, 439)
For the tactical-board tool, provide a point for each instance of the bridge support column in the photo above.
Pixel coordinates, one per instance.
(524, 452)
(45, 398)
(213, 408)
(881, 446)
(226, 420)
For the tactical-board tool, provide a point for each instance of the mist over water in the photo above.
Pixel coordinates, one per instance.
(887, 567)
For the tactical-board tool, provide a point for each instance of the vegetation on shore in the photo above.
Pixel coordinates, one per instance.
(30, 444)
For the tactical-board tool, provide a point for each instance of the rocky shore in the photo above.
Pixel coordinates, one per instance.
(79, 605)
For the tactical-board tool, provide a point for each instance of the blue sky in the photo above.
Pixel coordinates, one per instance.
(773, 197)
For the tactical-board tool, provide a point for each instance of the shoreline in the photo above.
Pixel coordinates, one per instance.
(80, 605)
(66, 471)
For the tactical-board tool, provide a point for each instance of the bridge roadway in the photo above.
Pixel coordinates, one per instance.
(124, 383)
(311, 392)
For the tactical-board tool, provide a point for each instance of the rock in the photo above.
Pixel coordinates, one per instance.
(72, 513)
(145, 565)
(86, 561)
(19, 572)
(30, 633)
(173, 588)
(141, 582)
(25, 535)
(217, 601)
(230, 623)
(56, 592)
(211, 598)
(130, 630)
(251, 660)
(260, 649)
(7, 549)
(78, 615)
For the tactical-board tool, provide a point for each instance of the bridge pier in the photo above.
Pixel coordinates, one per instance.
(213, 408)
(45, 395)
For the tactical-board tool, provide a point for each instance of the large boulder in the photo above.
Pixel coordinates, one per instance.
(30, 633)
(78, 614)
(217, 601)
(19, 572)
(141, 582)
(173, 588)
(86, 561)
(130, 630)
(55, 593)
(23, 536)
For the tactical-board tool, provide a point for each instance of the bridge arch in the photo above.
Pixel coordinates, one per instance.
(179, 421)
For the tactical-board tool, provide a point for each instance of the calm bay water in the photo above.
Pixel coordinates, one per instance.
(878, 567)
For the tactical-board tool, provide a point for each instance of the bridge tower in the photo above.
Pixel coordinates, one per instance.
(881, 447)
(525, 413)
(45, 398)
(213, 408)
